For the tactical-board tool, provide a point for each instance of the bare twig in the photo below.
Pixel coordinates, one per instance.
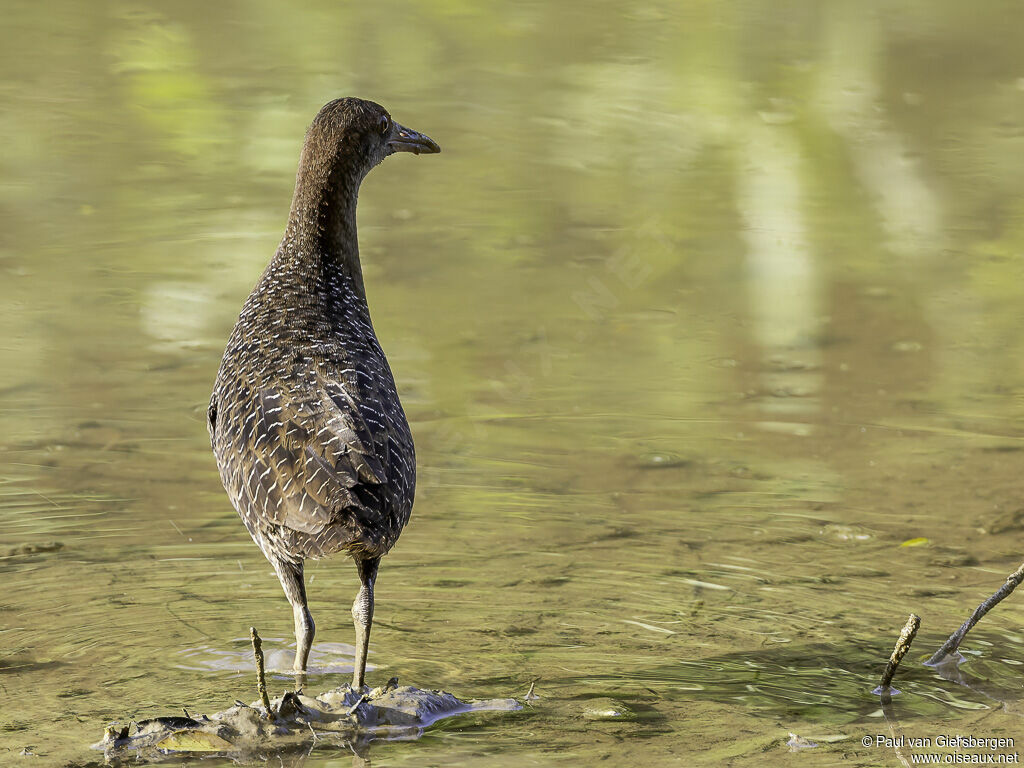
(362, 700)
(902, 646)
(885, 688)
(261, 677)
(951, 645)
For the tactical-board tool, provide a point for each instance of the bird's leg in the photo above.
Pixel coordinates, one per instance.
(362, 615)
(294, 585)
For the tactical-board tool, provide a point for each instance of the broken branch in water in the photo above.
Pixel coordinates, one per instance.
(261, 677)
(902, 646)
(951, 645)
(885, 688)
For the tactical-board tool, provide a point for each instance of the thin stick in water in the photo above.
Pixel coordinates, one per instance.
(902, 646)
(951, 645)
(261, 677)
(362, 700)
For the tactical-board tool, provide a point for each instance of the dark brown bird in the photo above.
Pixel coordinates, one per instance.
(311, 441)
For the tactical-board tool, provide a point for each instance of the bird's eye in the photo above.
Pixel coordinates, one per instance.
(385, 124)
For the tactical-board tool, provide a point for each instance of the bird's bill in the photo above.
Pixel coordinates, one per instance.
(407, 140)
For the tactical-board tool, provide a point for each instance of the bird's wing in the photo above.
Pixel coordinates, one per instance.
(314, 457)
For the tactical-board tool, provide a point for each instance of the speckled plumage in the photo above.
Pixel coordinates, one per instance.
(312, 443)
(310, 437)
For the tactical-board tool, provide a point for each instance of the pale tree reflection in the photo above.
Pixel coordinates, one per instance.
(783, 283)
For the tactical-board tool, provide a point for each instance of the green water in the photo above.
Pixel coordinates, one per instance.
(703, 311)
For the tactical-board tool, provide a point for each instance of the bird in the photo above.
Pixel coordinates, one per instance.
(310, 438)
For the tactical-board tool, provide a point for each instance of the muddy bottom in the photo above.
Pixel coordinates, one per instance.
(707, 321)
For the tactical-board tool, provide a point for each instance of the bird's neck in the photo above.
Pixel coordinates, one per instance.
(322, 221)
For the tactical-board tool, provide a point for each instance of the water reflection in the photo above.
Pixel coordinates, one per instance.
(783, 283)
(706, 311)
(324, 659)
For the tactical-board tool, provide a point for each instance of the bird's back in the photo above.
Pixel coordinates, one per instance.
(310, 437)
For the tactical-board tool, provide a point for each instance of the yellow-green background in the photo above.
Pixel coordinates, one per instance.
(703, 311)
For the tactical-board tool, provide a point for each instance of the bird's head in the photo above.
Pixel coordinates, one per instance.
(350, 136)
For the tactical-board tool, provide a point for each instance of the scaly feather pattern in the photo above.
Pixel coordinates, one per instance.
(310, 437)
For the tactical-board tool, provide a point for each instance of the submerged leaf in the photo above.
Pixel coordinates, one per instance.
(918, 542)
(194, 741)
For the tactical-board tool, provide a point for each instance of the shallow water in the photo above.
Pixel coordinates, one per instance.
(701, 314)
